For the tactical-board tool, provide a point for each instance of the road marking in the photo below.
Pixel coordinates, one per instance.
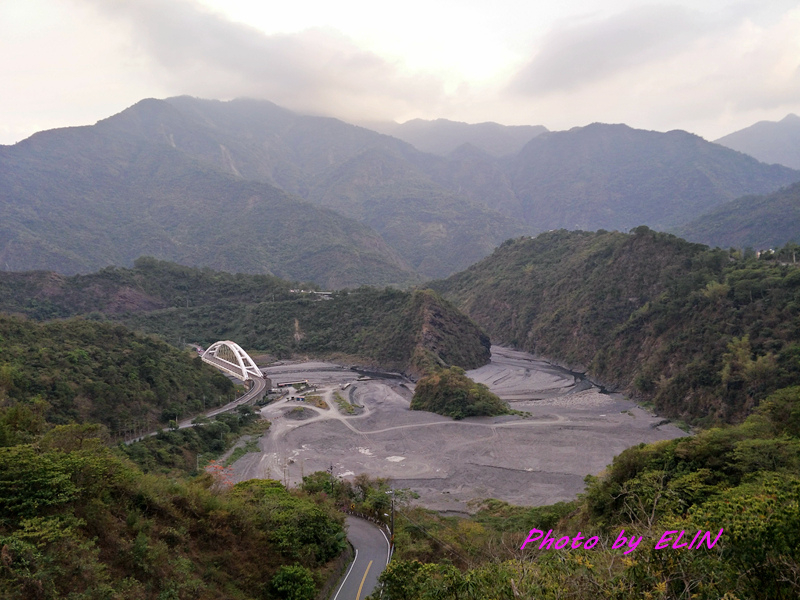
(346, 576)
(363, 579)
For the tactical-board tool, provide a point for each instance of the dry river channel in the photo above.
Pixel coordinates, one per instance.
(574, 429)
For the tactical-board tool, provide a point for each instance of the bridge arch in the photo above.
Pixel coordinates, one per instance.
(229, 357)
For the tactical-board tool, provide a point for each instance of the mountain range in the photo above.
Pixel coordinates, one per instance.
(443, 136)
(249, 186)
(769, 141)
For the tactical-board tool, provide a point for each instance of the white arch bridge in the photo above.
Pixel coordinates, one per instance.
(228, 357)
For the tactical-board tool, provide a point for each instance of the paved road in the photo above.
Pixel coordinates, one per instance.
(256, 391)
(259, 385)
(372, 556)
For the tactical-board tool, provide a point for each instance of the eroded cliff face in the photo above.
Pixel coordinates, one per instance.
(445, 336)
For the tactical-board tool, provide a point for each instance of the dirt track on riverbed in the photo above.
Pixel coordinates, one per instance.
(572, 431)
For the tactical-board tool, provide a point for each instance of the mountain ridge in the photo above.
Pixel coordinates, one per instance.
(769, 141)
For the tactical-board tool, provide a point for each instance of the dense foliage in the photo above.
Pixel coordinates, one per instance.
(81, 371)
(151, 284)
(704, 334)
(390, 328)
(407, 331)
(182, 452)
(451, 393)
(78, 522)
(743, 480)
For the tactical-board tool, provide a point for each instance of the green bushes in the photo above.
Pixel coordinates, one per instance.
(78, 521)
(451, 393)
(87, 371)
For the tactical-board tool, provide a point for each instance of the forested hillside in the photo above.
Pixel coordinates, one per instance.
(78, 521)
(406, 331)
(75, 200)
(84, 371)
(244, 186)
(703, 334)
(759, 222)
(372, 178)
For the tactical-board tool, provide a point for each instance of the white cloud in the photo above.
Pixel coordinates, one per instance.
(199, 52)
(663, 68)
(709, 70)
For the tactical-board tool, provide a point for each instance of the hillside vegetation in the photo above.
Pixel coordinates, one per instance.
(703, 334)
(451, 393)
(75, 200)
(760, 222)
(84, 371)
(79, 522)
(740, 484)
(406, 331)
(244, 185)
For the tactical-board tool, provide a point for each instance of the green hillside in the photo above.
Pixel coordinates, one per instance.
(702, 334)
(406, 331)
(83, 371)
(434, 229)
(759, 222)
(241, 186)
(372, 178)
(79, 522)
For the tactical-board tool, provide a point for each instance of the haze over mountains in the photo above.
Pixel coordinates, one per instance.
(769, 141)
(247, 186)
(443, 136)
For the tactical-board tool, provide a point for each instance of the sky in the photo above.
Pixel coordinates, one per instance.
(706, 66)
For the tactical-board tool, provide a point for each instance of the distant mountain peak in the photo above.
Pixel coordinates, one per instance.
(769, 141)
(443, 136)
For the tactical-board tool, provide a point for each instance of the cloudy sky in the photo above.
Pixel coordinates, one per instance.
(708, 66)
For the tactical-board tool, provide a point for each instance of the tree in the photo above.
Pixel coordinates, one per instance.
(294, 582)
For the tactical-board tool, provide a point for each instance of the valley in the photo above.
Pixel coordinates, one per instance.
(261, 209)
(573, 429)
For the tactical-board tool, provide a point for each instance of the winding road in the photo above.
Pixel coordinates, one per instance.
(372, 556)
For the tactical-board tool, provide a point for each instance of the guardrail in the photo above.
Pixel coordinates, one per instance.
(381, 525)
